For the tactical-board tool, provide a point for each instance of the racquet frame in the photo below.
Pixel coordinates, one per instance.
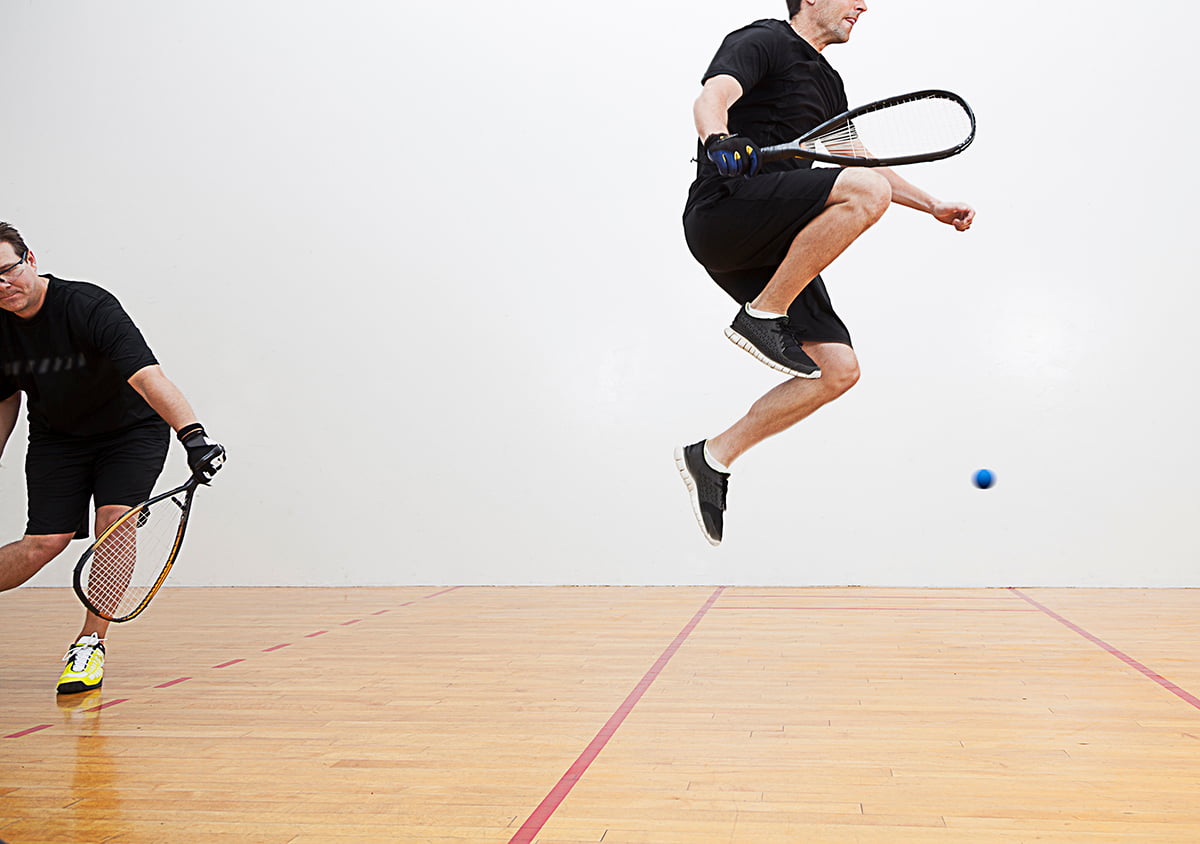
(186, 490)
(796, 149)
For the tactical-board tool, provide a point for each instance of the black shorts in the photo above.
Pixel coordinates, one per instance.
(741, 229)
(63, 473)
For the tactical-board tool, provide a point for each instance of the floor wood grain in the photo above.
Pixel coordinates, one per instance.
(619, 715)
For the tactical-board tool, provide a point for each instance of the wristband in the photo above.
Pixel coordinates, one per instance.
(712, 139)
(188, 431)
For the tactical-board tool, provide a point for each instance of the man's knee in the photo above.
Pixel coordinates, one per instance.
(109, 513)
(863, 189)
(45, 548)
(841, 378)
(24, 558)
(839, 371)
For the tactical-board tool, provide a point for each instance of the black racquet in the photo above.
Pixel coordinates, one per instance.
(908, 129)
(123, 569)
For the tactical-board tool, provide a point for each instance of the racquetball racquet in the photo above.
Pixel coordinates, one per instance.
(908, 129)
(123, 569)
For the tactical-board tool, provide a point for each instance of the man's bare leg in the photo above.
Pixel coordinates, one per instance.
(857, 201)
(24, 558)
(85, 659)
(779, 409)
(823, 371)
(791, 401)
(105, 516)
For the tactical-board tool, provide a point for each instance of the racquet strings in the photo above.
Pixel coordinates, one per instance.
(127, 565)
(908, 127)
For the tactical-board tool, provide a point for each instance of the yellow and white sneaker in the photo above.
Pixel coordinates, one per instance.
(85, 666)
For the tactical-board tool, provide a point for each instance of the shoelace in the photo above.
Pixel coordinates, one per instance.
(80, 653)
(792, 342)
(787, 333)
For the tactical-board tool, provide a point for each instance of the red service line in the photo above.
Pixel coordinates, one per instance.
(554, 799)
(1182, 694)
(179, 680)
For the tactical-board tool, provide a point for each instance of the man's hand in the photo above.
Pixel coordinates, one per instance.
(204, 456)
(957, 214)
(734, 155)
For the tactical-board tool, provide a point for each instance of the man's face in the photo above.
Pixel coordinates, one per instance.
(838, 17)
(22, 290)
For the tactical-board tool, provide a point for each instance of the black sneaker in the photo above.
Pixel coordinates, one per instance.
(773, 343)
(706, 487)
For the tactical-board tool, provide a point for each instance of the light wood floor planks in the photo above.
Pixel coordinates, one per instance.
(614, 715)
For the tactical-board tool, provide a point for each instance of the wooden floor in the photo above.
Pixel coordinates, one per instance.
(614, 715)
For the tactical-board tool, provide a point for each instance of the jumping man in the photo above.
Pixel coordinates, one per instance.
(765, 231)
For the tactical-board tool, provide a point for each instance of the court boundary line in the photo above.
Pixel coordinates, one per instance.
(1150, 673)
(550, 803)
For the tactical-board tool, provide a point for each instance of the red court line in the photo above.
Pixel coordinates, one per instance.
(229, 663)
(1182, 694)
(889, 609)
(318, 633)
(554, 799)
(348, 623)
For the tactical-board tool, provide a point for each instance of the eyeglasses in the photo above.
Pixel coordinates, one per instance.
(9, 270)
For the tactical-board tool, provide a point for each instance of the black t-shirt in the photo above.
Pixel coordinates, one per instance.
(787, 88)
(73, 359)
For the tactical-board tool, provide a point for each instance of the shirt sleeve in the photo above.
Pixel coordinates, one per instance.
(745, 55)
(113, 334)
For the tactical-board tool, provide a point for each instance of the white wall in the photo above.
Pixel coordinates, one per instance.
(420, 267)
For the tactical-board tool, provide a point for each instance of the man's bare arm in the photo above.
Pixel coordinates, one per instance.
(162, 395)
(957, 214)
(711, 109)
(10, 408)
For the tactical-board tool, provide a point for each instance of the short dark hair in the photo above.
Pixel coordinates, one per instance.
(793, 8)
(10, 235)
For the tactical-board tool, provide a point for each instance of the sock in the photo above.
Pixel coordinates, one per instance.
(714, 462)
(762, 314)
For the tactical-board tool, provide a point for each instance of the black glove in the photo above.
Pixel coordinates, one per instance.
(734, 155)
(204, 456)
